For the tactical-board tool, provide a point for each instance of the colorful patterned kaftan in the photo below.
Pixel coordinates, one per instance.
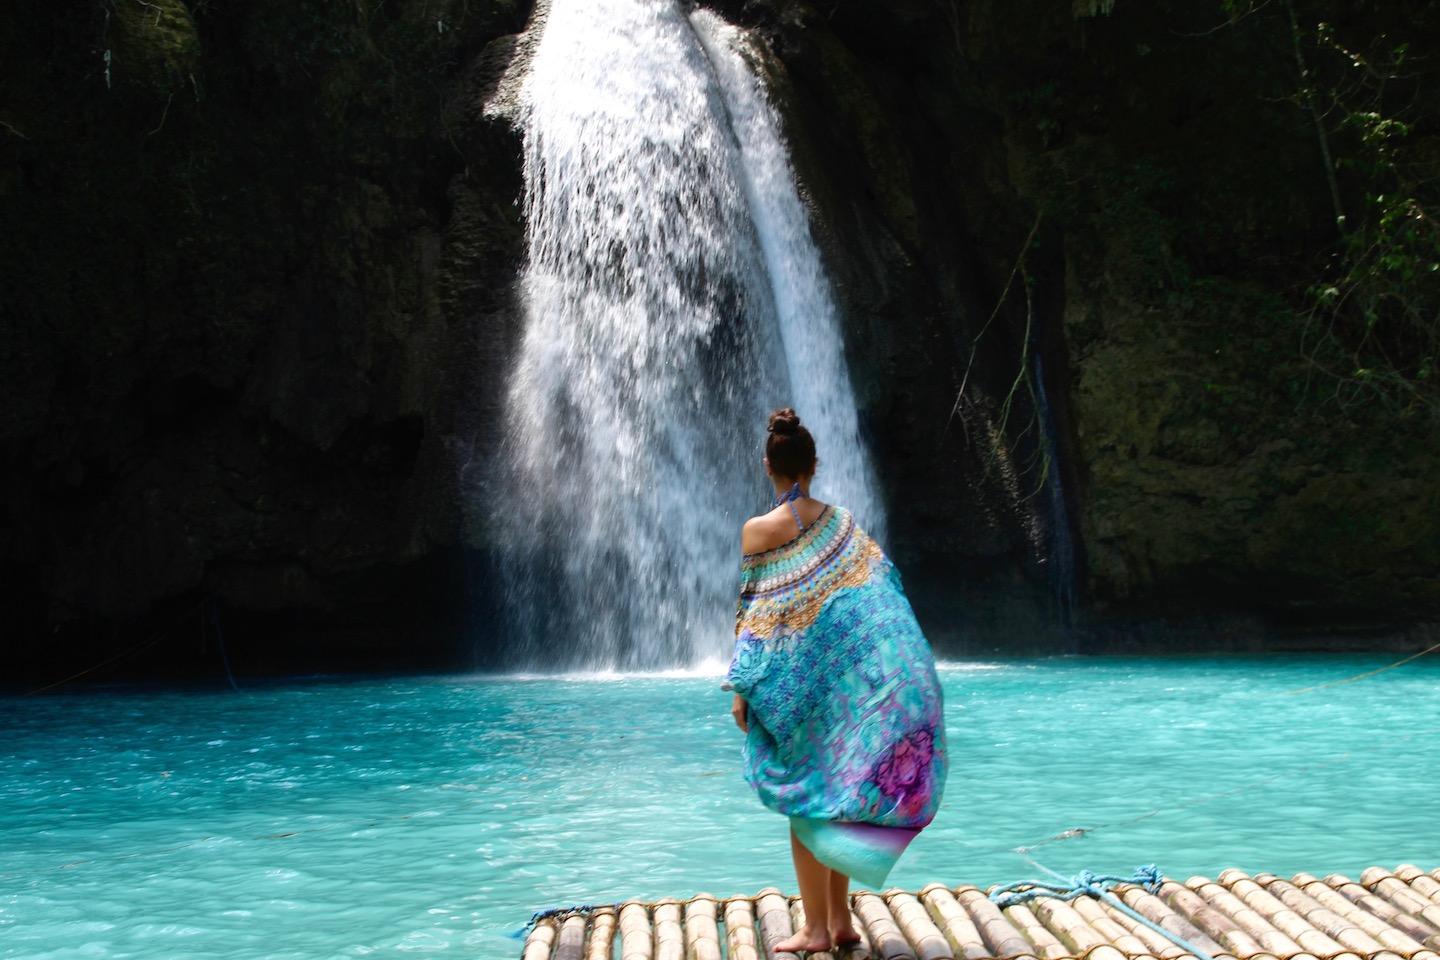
(846, 729)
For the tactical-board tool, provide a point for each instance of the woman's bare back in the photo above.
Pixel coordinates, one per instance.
(778, 527)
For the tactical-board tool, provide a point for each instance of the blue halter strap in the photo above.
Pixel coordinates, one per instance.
(790, 496)
(794, 493)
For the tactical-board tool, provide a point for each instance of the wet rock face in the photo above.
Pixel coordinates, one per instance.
(1214, 477)
(1178, 203)
(256, 282)
(257, 302)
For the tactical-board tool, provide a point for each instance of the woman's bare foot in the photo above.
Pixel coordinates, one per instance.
(844, 936)
(807, 940)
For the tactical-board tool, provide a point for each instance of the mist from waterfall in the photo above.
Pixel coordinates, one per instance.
(672, 296)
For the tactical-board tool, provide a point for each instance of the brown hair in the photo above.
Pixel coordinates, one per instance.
(789, 447)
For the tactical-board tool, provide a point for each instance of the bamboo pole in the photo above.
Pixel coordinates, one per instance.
(601, 945)
(1398, 892)
(541, 939)
(1344, 931)
(1047, 945)
(742, 940)
(995, 928)
(1220, 928)
(1271, 940)
(702, 932)
(886, 940)
(1159, 912)
(1128, 941)
(1160, 947)
(914, 921)
(959, 930)
(1420, 881)
(669, 934)
(571, 943)
(773, 918)
(1382, 908)
(1325, 895)
(1067, 924)
(1280, 916)
(637, 941)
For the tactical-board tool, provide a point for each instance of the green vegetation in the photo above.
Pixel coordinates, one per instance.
(1371, 318)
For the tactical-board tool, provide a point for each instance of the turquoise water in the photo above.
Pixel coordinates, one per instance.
(335, 818)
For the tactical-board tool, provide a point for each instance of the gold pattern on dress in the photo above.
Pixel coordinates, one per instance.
(798, 608)
(795, 564)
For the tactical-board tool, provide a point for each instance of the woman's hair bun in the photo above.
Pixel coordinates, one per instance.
(789, 447)
(784, 421)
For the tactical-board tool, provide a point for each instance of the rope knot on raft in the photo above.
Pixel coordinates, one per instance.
(1089, 883)
(1084, 882)
(519, 933)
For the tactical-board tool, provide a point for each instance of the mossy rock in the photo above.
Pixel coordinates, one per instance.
(154, 45)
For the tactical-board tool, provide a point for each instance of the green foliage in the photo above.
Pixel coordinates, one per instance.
(1372, 319)
(151, 44)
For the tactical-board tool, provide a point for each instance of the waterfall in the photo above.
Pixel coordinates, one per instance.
(809, 323)
(671, 296)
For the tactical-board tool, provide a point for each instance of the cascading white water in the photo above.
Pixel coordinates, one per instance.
(672, 297)
(809, 322)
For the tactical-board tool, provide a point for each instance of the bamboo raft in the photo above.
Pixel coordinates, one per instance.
(1387, 915)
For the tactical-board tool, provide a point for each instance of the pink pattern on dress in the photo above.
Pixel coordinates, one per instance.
(904, 773)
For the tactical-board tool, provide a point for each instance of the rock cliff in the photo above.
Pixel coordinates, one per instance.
(257, 302)
(1147, 174)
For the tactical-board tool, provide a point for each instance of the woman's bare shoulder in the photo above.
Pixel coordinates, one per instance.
(766, 531)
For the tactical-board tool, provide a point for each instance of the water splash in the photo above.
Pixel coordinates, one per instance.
(656, 338)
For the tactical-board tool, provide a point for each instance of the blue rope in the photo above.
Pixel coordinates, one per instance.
(520, 932)
(1098, 886)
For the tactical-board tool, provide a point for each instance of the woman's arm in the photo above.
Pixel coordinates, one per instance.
(756, 535)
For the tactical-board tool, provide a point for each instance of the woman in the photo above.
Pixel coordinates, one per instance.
(835, 689)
